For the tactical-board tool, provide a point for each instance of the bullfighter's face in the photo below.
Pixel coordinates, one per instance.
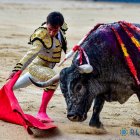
(53, 30)
(74, 87)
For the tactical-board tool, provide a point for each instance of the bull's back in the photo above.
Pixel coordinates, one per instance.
(107, 55)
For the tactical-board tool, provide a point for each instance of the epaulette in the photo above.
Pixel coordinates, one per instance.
(64, 27)
(39, 34)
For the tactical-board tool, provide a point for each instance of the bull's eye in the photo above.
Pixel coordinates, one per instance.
(78, 87)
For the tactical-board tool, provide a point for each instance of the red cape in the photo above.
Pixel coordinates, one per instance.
(11, 111)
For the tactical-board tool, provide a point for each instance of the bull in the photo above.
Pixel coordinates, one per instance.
(112, 75)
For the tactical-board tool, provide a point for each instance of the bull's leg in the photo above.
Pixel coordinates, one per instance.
(138, 97)
(95, 119)
(137, 91)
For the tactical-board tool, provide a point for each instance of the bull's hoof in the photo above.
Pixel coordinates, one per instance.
(96, 124)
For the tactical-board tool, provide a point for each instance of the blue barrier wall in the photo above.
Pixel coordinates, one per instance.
(136, 1)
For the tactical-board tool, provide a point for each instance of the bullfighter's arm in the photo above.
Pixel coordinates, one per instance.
(29, 56)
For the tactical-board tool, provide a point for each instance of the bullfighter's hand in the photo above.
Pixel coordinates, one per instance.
(11, 75)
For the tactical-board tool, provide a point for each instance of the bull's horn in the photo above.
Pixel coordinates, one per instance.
(85, 68)
(50, 82)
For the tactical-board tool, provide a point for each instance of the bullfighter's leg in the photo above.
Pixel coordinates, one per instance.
(97, 108)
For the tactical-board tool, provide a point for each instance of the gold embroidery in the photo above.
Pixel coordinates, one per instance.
(57, 55)
(57, 49)
(43, 74)
(56, 60)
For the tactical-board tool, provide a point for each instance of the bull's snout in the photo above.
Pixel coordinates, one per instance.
(76, 117)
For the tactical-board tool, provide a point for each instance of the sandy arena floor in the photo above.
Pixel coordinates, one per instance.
(18, 21)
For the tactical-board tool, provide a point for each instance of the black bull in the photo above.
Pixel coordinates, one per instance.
(111, 79)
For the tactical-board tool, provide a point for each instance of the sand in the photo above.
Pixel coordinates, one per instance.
(18, 21)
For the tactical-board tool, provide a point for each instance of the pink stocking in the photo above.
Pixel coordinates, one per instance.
(41, 115)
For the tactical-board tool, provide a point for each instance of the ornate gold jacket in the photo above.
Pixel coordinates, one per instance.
(46, 51)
